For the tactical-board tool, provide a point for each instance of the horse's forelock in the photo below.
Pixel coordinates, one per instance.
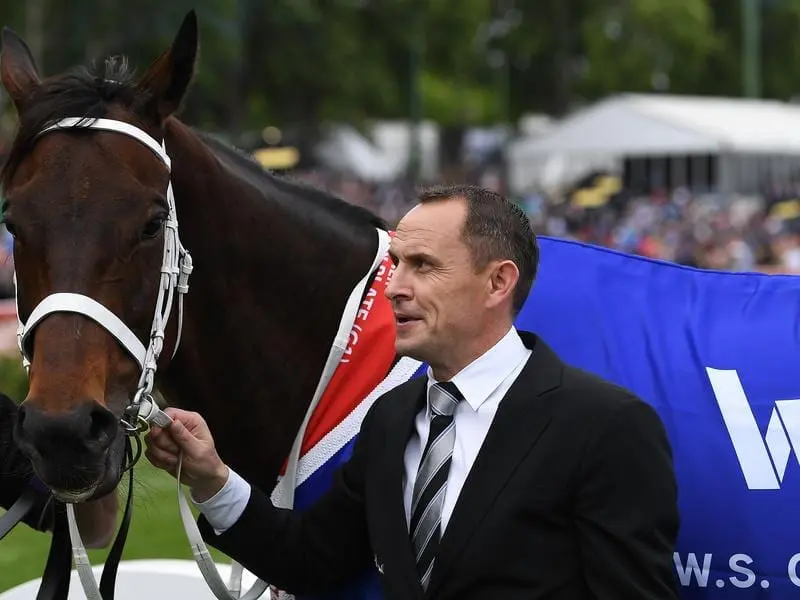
(83, 92)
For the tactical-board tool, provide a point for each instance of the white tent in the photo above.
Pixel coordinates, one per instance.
(750, 138)
(385, 155)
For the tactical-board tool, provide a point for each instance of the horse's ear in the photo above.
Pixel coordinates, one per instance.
(168, 78)
(17, 68)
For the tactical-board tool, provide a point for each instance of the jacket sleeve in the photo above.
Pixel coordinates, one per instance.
(16, 473)
(308, 552)
(627, 510)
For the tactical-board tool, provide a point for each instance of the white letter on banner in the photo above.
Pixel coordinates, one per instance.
(749, 446)
(750, 576)
(793, 570)
(692, 568)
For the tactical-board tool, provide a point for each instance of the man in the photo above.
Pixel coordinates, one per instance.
(96, 520)
(507, 474)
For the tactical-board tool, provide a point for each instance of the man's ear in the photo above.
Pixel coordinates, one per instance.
(168, 78)
(18, 70)
(502, 281)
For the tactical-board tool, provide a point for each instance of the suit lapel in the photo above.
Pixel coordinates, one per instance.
(519, 422)
(391, 495)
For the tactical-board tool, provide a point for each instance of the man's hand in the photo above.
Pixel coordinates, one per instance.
(201, 468)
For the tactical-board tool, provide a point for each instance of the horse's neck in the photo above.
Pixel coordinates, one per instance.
(270, 280)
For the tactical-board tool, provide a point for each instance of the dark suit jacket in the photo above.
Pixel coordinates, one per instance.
(572, 496)
(16, 471)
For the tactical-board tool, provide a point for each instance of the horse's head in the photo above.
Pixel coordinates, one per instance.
(87, 208)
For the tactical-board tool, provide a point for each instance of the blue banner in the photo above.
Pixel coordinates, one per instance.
(717, 355)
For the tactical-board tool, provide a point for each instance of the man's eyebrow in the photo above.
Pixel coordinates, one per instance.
(423, 255)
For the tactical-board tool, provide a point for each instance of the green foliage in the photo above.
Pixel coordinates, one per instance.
(13, 379)
(308, 61)
(629, 47)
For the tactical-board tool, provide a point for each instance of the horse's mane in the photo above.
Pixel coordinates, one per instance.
(89, 92)
(289, 185)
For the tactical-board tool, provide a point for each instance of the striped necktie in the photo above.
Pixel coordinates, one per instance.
(431, 482)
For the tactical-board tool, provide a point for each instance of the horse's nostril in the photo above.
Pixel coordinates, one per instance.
(103, 425)
(90, 427)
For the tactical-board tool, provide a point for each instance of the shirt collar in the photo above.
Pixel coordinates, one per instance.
(482, 376)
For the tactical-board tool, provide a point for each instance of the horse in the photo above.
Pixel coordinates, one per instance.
(274, 262)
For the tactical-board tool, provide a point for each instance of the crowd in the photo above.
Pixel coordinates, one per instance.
(708, 232)
(738, 234)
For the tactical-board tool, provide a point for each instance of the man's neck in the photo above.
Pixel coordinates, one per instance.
(470, 353)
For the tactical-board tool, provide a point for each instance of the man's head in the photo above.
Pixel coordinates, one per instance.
(466, 259)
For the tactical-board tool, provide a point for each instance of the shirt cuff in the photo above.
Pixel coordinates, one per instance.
(225, 507)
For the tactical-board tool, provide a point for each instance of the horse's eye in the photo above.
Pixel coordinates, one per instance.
(154, 226)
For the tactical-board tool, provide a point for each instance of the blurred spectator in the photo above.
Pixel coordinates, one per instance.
(701, 232)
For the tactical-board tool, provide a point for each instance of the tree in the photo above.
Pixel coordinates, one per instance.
(646, 45)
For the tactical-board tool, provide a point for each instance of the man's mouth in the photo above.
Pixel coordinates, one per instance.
(404, 319)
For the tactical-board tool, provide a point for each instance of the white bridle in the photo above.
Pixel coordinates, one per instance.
(176, 267)
(142, 411)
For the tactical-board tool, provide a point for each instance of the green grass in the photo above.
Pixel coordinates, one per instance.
(156, 532)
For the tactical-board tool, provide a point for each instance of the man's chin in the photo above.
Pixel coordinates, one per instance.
(410, 347)
(404, 347)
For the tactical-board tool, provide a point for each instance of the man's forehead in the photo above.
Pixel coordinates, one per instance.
(423, 241)
(427, 234)
(443, 218)
(412, 240)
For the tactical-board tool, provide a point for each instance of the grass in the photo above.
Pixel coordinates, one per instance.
(156, 532)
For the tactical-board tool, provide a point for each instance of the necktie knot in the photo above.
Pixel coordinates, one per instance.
(444, 398)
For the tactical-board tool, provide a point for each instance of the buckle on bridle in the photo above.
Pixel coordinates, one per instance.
(132, 421)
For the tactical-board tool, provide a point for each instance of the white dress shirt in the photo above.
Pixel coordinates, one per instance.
(483, 383)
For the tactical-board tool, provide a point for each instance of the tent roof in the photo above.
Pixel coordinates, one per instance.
(653, 125)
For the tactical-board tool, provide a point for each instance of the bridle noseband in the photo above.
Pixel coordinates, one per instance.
(176, 266)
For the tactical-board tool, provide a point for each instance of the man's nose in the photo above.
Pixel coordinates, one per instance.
(395, 287)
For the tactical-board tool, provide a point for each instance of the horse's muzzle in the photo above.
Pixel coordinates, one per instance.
(68, 450)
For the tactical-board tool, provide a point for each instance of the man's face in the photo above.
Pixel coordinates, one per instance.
(437, 296)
